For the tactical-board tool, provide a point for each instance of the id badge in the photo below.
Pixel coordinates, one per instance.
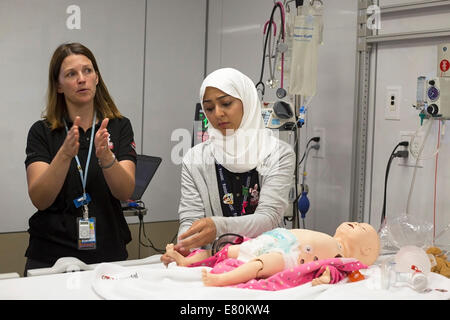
(86, 234)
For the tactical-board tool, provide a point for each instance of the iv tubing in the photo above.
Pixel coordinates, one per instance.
(283, 31)
(415, 167)
(435, 182)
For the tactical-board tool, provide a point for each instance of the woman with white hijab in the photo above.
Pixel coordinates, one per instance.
(238, 180)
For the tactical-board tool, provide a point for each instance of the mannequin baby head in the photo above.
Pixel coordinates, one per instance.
(351, 240)
(358, 240)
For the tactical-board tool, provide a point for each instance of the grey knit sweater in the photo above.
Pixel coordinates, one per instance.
(200, 192)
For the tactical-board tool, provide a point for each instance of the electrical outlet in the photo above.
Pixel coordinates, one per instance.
(392, 104)
(414, 147)
(417, 142)
(319, 132)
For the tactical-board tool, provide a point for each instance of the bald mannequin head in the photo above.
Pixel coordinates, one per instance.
(358, 240)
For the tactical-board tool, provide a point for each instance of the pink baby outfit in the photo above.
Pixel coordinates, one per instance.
(289, 278)
(339, 269)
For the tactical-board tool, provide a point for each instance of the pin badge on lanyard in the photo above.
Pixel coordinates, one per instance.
(86, 225)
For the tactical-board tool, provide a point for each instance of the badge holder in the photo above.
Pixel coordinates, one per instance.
(86, 234)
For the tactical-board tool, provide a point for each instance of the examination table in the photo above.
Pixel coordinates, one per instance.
(149, 279)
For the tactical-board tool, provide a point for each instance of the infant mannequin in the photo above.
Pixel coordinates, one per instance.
(281, 249)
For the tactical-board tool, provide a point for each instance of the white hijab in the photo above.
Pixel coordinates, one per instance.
(251, 143)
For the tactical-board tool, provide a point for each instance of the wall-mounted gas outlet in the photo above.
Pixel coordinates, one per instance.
(415, 143)
(392, 103)
(319, 132)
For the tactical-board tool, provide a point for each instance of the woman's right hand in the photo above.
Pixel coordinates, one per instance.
(71, 144)
(201, 233)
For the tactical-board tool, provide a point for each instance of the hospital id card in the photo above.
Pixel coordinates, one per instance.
(86, 234)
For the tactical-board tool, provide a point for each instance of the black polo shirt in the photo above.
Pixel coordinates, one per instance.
(54, 231)
(235, 183)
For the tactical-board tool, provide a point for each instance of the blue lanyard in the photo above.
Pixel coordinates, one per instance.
(80, 170)
(225, 191)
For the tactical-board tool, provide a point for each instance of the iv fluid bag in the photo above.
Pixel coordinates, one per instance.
(307, 35)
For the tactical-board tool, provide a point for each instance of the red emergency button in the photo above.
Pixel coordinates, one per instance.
(445, 65)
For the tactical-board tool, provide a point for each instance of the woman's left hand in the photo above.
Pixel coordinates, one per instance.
(101, 141)
(201, 232)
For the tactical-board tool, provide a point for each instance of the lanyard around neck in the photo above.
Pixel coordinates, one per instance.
(225, 191)
(80, 169)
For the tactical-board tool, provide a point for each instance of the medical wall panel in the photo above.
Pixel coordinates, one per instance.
(29, 33)
(398, 64)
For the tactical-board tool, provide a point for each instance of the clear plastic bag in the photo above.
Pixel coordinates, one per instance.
(403, 231)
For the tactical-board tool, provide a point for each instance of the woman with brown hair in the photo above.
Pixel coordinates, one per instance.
(80, 163)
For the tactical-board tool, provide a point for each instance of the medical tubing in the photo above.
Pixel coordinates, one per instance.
(260, 82)
(217, 245)
(282, 71)
(264, 33)
(277, 5)
(418, 156)
(275, 57)
(276, 45)
(274, 28)
(271, 71)
(305, 106)
(411, 188)
(435, 182)
(283, 35)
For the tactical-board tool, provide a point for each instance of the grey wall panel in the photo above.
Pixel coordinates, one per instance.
(174, 72)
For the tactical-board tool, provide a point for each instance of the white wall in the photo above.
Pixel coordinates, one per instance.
(236, 40)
